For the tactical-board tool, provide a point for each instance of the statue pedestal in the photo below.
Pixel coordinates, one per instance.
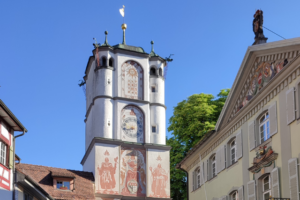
(261, 39)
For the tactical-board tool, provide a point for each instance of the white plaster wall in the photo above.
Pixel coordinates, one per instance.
(154, 158)
(102, 85)
(89, 164)
(158, 119)
(88, 130)
(100, 156)
(121, 58)
(102, 113)
(90, 86)
(159, 95)
(119, 105)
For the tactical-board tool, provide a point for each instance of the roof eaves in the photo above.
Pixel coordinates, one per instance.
(14, 118)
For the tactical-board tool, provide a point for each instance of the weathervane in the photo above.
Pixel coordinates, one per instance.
(124, 26)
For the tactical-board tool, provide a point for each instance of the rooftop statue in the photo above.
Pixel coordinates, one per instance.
(258, 27)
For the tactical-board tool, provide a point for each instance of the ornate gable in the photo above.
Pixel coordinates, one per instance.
(260, 66)
(263, 70)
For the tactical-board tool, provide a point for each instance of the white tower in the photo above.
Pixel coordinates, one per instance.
(126, 123)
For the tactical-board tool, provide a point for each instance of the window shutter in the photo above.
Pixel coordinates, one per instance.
(275, 183)
(251, 131)
(193, 180)
(251, 190)
(239, 145)
(241, 193)
(222, 158)
(205, 170)
(293, 179)
(273, 119)
(11, 157)
(290, 105)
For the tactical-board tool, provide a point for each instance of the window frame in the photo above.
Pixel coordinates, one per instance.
(63, 184)
(155, 127)
(5, 155)
(198, 177)
(236, 195)
(230, 152)
(213, 166)
(263, 187)
(266, 130)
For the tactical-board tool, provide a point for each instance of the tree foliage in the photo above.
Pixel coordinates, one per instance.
(191, 120)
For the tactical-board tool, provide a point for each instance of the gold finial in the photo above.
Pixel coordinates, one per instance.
(124, 26)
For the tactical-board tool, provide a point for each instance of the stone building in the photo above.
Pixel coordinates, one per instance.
(125, 139)
(253, 153)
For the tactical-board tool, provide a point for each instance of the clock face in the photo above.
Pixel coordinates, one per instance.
(132, 127)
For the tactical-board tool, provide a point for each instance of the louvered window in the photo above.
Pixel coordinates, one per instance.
(264, 127)
(266, 188)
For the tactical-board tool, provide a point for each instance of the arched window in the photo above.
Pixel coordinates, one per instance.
(213, 166)
(266, 184)
(264, 127)
(234, 196)
(103, 61)
(152, 71)
(132, 80)
(232, 152)
(132, 124)
(111, 62)
(160, 71)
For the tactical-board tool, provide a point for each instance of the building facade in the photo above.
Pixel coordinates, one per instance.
(9, 125)
(125, 123)
(253, 153)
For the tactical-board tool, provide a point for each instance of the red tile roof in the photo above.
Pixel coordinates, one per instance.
(84, 181)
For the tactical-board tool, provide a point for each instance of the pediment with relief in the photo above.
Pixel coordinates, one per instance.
(263, 70)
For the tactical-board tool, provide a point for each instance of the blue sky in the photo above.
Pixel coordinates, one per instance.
(45, 46)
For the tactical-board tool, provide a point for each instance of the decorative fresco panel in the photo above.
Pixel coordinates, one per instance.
(158, 174)
(263, 74)
(133, 172)
(107, 167)
(132, 124)
(132, 80)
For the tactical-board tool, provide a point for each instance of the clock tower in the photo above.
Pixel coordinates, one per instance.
(125, 136)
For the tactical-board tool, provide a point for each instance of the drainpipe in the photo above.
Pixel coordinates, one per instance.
(14, 170)
(187, 182)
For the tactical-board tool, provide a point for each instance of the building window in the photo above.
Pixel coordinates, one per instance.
(27, 196)
(152, 71)
(234, 196)
(103, 61)
(264, 127)
(153, 129)
(153, 89)
(198, 177)
(266, 188)
(63, 185)
(110, 62)
(232, 152)
(3, 153)
(213, 166)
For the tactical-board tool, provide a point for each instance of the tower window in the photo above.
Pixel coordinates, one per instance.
(103, 61)
(152, 71)
(153, 89)
(110, 62)
(160, 71)
(153, 129)
(63, 185)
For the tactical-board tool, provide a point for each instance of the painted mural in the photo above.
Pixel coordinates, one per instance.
(159, 178)
(132, 124)
(263, 74)
(133, 172)
(107, 164)
(132, 80)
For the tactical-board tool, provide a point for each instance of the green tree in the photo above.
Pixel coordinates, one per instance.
(191, 120)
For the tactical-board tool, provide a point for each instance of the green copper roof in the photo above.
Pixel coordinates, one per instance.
(130, 48)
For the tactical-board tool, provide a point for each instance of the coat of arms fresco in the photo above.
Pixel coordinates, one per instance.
(133, 172)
